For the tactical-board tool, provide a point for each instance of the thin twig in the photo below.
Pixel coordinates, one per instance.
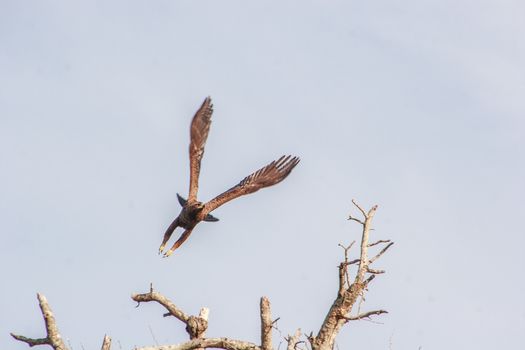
(153, 335)
(350, 217)
(355, 261)
(380, 253)
(344, 278)
(359, 207)
(30, 341)
(368, 280)
(379, 242)
(365, 315)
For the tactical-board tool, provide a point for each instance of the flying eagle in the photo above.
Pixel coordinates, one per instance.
(193, 211)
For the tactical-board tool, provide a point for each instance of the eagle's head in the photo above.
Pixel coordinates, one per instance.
(199, 206)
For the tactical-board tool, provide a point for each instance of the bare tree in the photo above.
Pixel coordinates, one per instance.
(350, 291)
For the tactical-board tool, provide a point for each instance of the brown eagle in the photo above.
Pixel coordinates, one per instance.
(194, 211)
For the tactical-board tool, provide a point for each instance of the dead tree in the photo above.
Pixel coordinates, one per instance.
(350, 291)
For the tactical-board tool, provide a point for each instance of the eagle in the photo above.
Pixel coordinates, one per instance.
(194, 211)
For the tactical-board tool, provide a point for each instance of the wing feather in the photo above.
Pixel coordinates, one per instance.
(269, 175)
(200, 127)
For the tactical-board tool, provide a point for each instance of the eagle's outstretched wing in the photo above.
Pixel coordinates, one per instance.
(200, 127)
(271, 174)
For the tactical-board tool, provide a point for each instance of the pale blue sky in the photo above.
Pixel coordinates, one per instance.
(413, 105)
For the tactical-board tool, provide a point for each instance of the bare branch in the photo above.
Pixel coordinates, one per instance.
(343, 270)
(293, 340)
(381, 253)
(196, 326)
(377, 272)
(266, 324)
(161, 299)
(51, 327)
(379, 242)
(350, 217)
(106, 343)
(219, 343)
(365, 315)
(355, 261)
(358, 207)
(53, 338)
(368, 280)
(346, 249)
(363, 263)
(30, 341)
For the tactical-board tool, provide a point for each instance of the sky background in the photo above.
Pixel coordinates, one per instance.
(417, 106)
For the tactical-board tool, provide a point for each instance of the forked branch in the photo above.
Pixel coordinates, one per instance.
(53, 337)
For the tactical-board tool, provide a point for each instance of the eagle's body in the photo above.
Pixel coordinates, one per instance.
(194, 211)
(190, 215)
